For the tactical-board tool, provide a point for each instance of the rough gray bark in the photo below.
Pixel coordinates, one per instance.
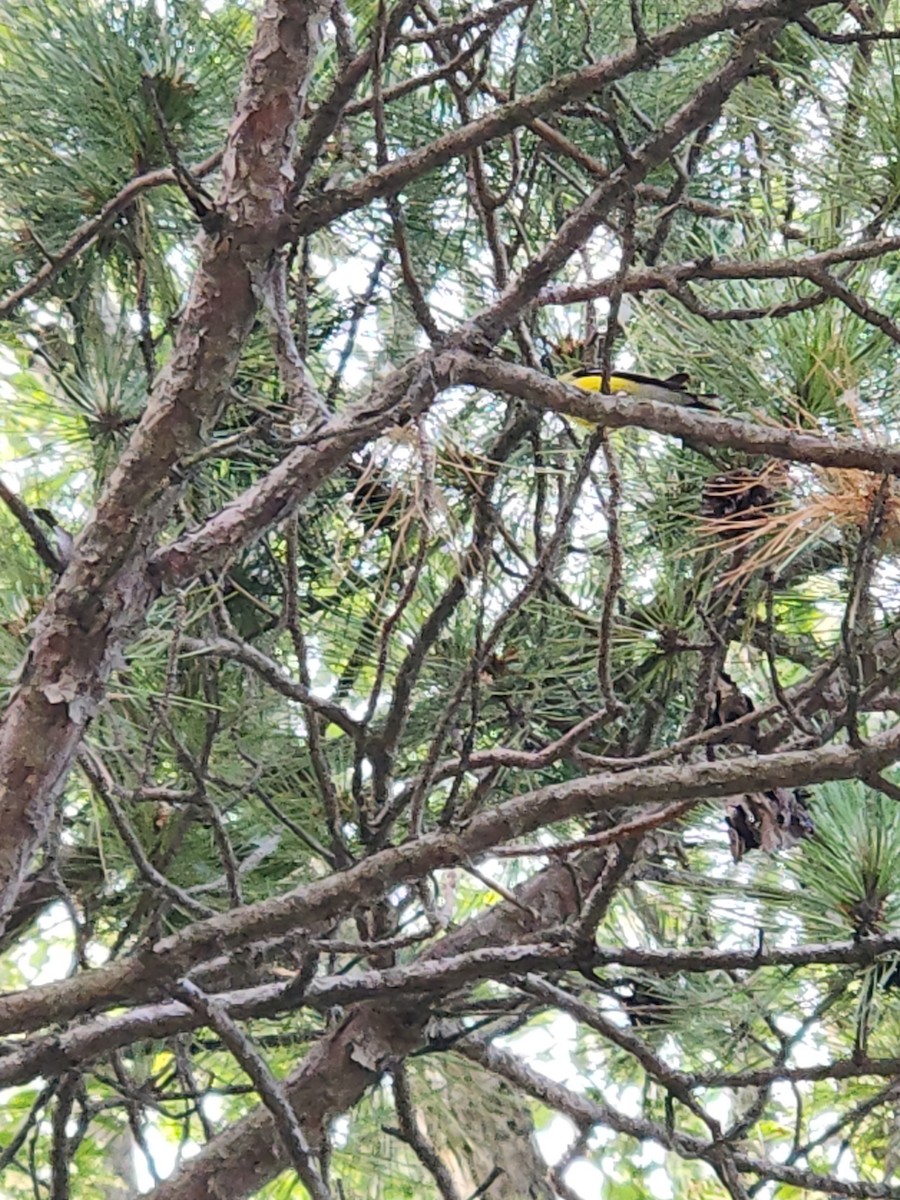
(103, 596)
(369, 1040)
(312, 905)
(105, 591)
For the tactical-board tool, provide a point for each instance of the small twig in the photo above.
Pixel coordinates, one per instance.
(613, 579)
(867, 312)
(360, 304)
(26, 519)
(344, 39)
(106, 789)
(273, 674)
(451, 30)
(675, 1081)
(541, 569)
(302, 393)
(608, 837)
(59, 1152)
(424, 502)
(135, 1106)
(197, 767)
(846, 39)
(510, 897)
(88, 232)
(17, 1140)
(199, 199)
(270, 1090)
(880, 784)
(339, 855)
(863, 567)
(594, 906)
(637, 22)
(410, 1133)
(447, 67)
(781, 696)
(484, 1187)
(413, 287)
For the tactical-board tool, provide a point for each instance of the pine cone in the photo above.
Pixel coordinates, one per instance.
(742, 495)
(767, 820)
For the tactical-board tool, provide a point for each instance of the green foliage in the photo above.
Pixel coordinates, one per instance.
(76, 123)
(418, 591)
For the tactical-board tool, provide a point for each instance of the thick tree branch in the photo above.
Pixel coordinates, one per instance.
(312, 905)
(619, 411)
(443, 972)
(102, 594)
(316, 213)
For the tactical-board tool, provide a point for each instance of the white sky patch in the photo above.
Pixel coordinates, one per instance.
(167, 1156)
(584, 1179)
(47, 958)
(555, 1138)
(448, 298)
(659, 1184)
(549, 1048)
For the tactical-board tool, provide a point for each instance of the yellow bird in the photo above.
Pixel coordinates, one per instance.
(673, 390)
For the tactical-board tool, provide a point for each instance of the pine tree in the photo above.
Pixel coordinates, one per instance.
(420, 776)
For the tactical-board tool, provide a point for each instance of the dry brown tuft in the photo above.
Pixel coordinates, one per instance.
(771, 533)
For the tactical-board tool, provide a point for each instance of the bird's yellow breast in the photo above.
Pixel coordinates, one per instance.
(594, 383)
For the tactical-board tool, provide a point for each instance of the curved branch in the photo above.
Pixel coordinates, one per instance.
(620, 411)
(102, 595)
(314, 904)
(88, 232)
(321, 210)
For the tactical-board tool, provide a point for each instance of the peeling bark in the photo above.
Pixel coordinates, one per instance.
(313, 905)
(103, 595)
(339, 1070)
